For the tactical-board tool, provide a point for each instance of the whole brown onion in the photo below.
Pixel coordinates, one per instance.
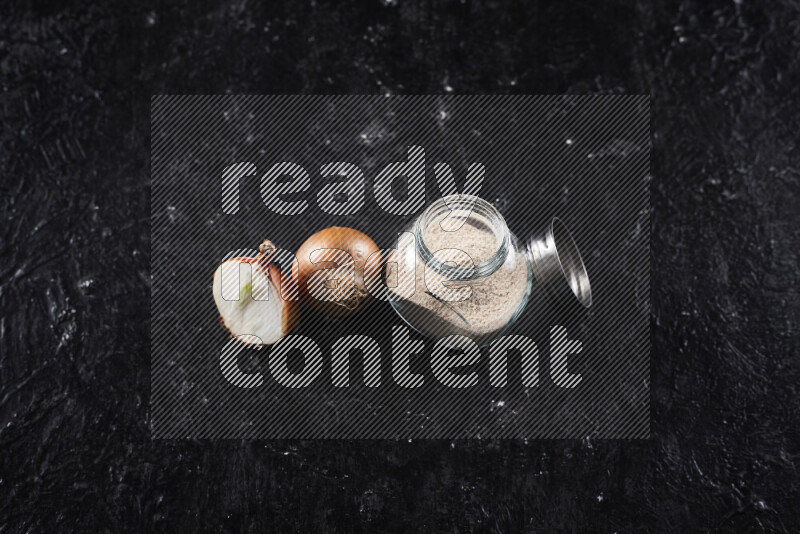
(320, 251)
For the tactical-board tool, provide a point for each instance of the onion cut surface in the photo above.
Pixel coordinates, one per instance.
(247, 292)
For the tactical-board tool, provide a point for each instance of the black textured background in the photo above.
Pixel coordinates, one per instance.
(598, 185)
(75, 447)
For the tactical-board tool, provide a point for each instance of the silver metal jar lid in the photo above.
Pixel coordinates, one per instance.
(557, 264)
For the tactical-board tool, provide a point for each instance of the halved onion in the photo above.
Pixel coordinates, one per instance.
(248, 294)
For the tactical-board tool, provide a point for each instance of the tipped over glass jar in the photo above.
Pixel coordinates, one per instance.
(461, 271)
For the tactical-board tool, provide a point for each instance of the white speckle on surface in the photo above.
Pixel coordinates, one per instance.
(85, 284)
(496, 404)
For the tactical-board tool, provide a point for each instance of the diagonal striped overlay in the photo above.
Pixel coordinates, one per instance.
(583, 159)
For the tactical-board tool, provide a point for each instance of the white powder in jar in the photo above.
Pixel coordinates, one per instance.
(494, 298)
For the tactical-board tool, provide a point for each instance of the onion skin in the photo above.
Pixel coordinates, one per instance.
(290, 317)
(358, 245)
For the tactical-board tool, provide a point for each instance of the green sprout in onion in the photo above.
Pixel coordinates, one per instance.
(244, 291)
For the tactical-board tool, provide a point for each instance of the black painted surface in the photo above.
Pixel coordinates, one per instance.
(75, 450)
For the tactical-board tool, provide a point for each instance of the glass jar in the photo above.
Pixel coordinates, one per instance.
(459, 270)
